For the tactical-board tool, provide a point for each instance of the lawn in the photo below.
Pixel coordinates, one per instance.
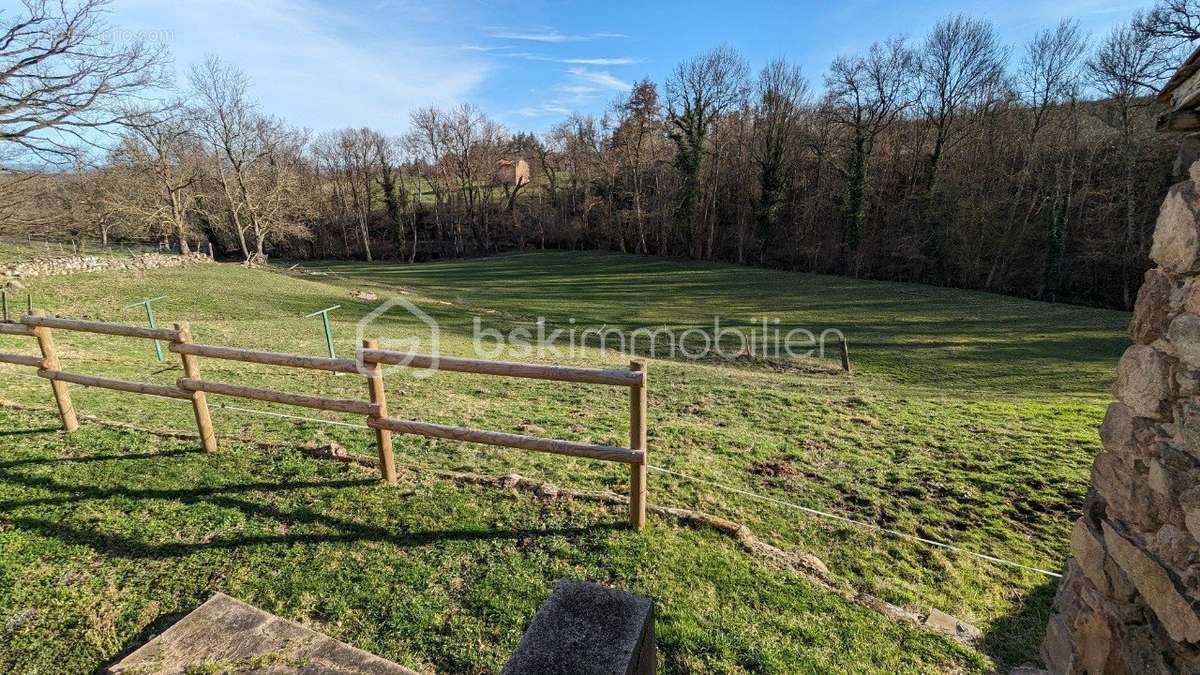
(970, 419)
(111, 535)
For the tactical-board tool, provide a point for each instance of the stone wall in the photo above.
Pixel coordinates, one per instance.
(42, 267)
(1128, 601)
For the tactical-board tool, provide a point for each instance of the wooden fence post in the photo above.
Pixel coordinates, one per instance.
(383, 437)
(62, 396)
(845, 348)
(637, 441)
(191, 370)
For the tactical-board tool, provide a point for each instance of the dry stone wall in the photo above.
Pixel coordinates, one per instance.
(1128, 601)
(41, 267)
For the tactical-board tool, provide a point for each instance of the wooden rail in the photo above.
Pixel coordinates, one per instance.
(116, 385)
(15, 329)
(21, 360)
(621, 378)
(570, 448)
(120, 330)
(266, 358)
(192, 387)
(284, 397)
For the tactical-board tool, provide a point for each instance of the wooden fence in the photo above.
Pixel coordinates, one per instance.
(194, 388)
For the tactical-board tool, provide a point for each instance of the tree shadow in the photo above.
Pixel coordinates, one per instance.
(1014, 639)
(343, 530)
(93, 458)
(30, 432)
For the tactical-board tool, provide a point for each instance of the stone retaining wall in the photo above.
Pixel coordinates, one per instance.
(41, 267)
(1128, 601)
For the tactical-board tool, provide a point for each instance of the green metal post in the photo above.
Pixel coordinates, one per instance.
(328, 328)
(328, 334)
(29, 303)
(150, 319)
(158, 352)
(4, 301)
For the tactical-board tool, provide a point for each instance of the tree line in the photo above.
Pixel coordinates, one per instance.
(950, 158)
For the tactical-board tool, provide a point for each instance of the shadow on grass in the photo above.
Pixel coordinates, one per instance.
(1013, 640)
(30, 432)
(94, 458)
(343, 531)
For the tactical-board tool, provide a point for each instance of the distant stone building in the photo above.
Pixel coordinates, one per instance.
(514, 172)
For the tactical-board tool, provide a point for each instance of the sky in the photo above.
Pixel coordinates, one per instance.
(327, 64)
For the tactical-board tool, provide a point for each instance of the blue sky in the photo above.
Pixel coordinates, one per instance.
(326, 64)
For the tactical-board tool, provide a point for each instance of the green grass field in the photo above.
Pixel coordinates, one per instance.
(970, 419)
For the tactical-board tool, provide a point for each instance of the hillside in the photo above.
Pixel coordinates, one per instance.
(970, 420)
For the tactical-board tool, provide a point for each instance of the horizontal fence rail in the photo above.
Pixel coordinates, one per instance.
(15, 329)
(622, 378)
(20, 360)
(116, 385)
(571, 448)
(369, 364)
(120, 330)
(266, 358)
(286, 398)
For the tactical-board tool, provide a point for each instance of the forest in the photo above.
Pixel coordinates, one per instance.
(949, 158)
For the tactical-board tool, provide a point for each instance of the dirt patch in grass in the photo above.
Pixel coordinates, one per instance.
(774, 468)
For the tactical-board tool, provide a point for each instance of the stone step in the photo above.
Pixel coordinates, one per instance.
(227, 635)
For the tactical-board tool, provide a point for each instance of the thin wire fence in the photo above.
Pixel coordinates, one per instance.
(729, 488)
(825, 515)
(64, 246)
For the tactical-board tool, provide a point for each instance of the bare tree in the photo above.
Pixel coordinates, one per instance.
(161, 147)
(351, 161)
(960, 65)
(865, 96)
(474, 144)
(1048, 83)
(92, 197)
(1124, 69)
(65, 77)
(388, 155)
(638, 124)
(1049, 71)
(781, 96)
(426, 141)
(699, 91)
(253, 157)
(1170, 24)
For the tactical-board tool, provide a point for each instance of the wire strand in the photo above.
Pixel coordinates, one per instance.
(720, 486)
(290, 417)
(747, 493)
(858, 523)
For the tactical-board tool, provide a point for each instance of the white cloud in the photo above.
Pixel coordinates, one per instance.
(607, 61)
(305, 66)
(581, 88)
(482, 48)
(549, 35)
(600, 78)
(577, 89)
(619, 61)
(543, 110)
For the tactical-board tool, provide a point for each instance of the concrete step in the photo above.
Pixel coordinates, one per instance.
(227, 635)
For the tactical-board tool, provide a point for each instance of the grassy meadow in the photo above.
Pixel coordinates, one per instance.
(970, 419)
